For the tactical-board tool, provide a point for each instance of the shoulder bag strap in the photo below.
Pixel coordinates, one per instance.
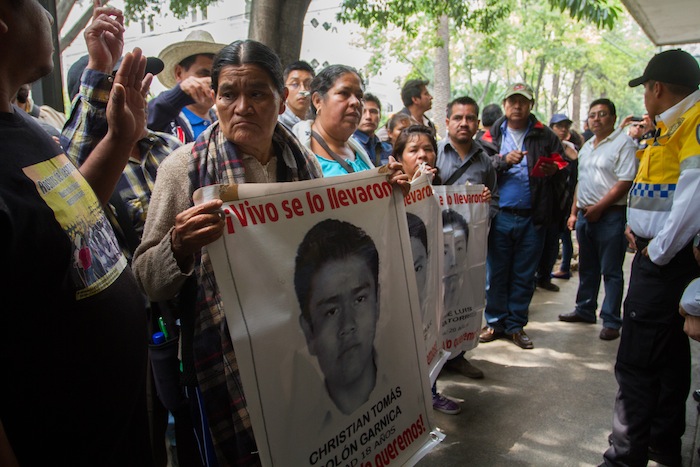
(335, 156)
(459, 172)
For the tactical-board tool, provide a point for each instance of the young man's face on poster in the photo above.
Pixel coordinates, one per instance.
(455, 239)
(420, 265)
(343, 309)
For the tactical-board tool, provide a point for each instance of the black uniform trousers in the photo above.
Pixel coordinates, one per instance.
(653, 363)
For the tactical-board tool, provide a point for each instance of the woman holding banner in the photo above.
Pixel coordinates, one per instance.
(416, 149)
(246, 145)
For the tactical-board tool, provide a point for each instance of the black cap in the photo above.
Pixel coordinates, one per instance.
(673, 67)
(153, 65)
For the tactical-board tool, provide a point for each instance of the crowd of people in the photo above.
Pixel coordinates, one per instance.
(79, 312)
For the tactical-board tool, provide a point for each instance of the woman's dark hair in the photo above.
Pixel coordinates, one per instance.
(407, 135)
(327, 78)
(395, 119)
(248, 52)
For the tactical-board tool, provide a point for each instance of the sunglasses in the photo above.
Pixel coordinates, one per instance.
(599, 114)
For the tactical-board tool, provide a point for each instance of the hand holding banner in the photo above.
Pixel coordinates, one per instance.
(321, 305)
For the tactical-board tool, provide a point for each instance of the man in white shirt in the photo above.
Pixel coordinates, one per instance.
(607, 167)
(297, 78)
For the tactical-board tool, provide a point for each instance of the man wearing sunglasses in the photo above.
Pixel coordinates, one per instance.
(653, 360)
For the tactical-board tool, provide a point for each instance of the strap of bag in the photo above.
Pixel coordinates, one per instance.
(458, 173)
(343, 163)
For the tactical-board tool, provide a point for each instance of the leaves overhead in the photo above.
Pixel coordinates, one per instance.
(137, 9)
(533, 43)
(602, 13)
(478, 15)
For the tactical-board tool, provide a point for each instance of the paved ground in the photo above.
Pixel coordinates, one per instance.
(550, 406)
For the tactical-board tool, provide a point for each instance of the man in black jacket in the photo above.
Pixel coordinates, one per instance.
(530, 190)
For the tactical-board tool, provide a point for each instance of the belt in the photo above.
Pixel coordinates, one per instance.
(616, 207)
(641, 242)
(518, 212)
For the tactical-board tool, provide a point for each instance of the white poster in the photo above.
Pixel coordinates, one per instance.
(465, 223)
(424, 217)
(319, 293)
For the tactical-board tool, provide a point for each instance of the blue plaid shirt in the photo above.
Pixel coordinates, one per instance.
(87, 126)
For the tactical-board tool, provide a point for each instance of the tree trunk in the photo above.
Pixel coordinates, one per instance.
(540, 75)
(485, 93)
(441, 86)
(63, 8)
(576, 100)
(279, 24)
(554, 103)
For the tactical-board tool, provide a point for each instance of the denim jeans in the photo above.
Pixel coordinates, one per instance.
(567, 251)
(515, 247)
(602, 246)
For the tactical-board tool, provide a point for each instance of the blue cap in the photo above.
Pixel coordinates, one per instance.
(558, 118)
(158, 337)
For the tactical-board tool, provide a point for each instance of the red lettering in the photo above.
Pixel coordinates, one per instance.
(229, 222)
(391, 450)
(342, 198)
(402, 441)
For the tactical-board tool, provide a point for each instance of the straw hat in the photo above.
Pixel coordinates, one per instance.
(197, 42)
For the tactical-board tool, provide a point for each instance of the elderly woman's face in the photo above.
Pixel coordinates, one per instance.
(340, 110)
(248, 105)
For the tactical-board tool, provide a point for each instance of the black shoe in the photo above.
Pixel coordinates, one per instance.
(696, 395)
(464, 367)
(574, 317)
(609, 334)
(547, 285)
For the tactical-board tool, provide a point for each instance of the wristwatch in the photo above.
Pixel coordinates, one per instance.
(696, 241)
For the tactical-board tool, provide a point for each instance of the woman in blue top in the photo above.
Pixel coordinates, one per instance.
(336, 94)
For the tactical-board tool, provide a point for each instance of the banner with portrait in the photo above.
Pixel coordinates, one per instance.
(424, 217)
(465, 224)
(319, 293)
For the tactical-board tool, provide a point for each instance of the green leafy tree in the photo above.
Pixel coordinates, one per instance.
(133, 10)
(565, 59)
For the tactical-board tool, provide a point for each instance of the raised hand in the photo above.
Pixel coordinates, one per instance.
(126, 109)
(198, 89)
(104, 38)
